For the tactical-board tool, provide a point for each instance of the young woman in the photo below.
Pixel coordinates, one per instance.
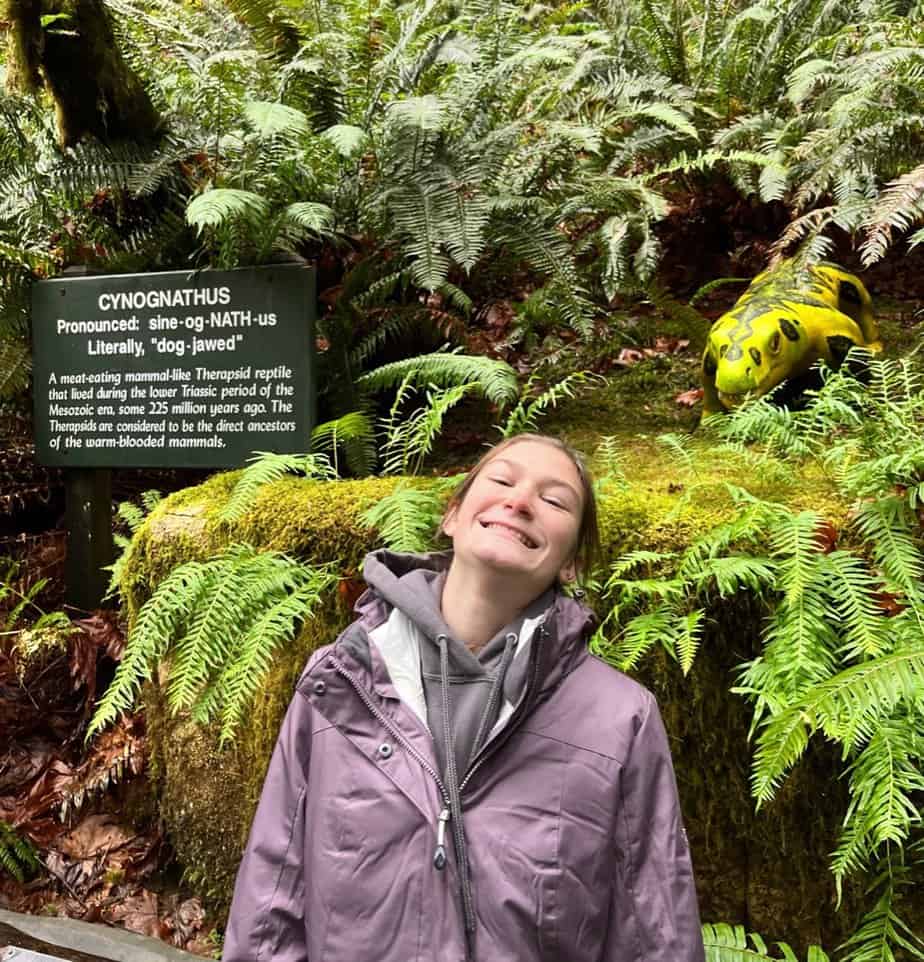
(457, 778)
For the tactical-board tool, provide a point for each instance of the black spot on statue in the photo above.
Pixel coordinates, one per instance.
(789, 329)
(709, 365)
(839, 345)
(755, 355)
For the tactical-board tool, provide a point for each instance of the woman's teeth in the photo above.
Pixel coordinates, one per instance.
(522, 538)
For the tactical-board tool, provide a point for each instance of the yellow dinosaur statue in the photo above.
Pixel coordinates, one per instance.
(784, 322)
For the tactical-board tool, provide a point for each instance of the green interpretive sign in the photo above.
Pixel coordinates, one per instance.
(178, 369)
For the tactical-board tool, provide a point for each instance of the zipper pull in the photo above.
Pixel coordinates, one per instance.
(439, 856)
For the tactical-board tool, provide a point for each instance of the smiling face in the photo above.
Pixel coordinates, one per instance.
(520, 515)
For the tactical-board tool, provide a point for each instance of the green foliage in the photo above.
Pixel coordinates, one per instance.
(842, 647)
(355, 434)
(132, 516)
(18, 856)
(20, 612)
(727, 943)
(495, 379)
(531, 406)
(408, 518)
(217, 624)
(264, 468)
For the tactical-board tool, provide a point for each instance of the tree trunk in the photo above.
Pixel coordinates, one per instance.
(95, 92)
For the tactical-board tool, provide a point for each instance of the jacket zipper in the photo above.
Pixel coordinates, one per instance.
(439, 856)
(508, 731)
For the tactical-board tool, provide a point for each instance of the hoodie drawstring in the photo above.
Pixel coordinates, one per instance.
(452, 780)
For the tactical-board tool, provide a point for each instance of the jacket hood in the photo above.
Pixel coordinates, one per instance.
(405, 581)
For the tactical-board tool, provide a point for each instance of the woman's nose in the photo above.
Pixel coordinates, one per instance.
(518, 501)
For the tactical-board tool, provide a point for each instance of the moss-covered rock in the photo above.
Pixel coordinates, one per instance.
(766, 870)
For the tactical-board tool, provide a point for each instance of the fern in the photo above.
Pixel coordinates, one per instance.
(216, 622)
(881, 928)
(220, 205)
(131, 515)
(355, 433)
(727, 943)
(608, 465)
(18, 856)
(409, 438)
(494, 378)
(525, 416)
(408, 518)
(847, 706)
(884, 778)
(265, 467)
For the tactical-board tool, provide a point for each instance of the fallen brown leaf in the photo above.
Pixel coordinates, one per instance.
(629, 356)
(690, 398)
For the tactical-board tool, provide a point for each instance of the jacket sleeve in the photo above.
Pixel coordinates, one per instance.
(266, 922)
(654, 916)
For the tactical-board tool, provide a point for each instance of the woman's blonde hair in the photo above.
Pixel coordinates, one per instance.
(587, 546)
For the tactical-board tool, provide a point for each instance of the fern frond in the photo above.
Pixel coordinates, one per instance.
(726, 943)
(881, 930)
(346, 138)
(224, 204)
(270, 119)
(642, 556)
(883, 780)
(408, 518)
(18, 855)
(886, 526)
(852, 589)
(214, 619)
(496, 379)
(301, 591)
(640, 634)
(265, 467)
(409, 440)
(15, 367)
(687, 639)
(525, 416)
(355, 433)
(848, 706)
(735, 573)
(149, 640)
(897, 209)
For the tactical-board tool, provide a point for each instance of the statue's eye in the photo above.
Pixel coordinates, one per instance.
(849, 292)
(723, 350)
(775, 342)
(755, 355)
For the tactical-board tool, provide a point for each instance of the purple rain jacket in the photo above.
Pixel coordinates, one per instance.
(573, 848)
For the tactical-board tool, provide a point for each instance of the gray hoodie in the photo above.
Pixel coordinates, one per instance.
(478, 683)
(564, 842)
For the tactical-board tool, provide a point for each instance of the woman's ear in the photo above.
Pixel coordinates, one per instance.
(448, 524)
